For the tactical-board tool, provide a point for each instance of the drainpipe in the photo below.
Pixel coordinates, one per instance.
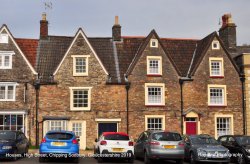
(181, 82)
(242, 79)
(127, 101)
(37, 88)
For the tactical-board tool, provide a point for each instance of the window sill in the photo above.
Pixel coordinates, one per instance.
(80, 74)
(7, 100)
(155, 105)
(154, 75)
(219, 77)
(217, 105)
(79, 110)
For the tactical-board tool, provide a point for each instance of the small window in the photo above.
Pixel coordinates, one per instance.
(154, 94)
(216, 95)
(154, 43)
(7, 92)
(216, 67)
(4, 38)
(154, 65)
(57, 125)
(6, 60)
(80, 98)
(154, 122)
(223, 126)
(215, 45)
(80, 65)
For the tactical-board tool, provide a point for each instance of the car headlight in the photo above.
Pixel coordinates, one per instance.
(7, 147)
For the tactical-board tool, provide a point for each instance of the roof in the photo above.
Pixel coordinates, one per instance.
(29, 48)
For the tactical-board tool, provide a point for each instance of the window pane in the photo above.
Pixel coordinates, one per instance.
(10, 92)
(154, 95)
(6, 61)
(1, 61)
(223, 126)
(2, 92)
(80, 65)
(216, 68)
(154, 124)
(80, 98)
(154, 67)
(217, 96)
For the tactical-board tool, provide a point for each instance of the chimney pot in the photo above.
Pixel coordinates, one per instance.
(44, 16)
(116, 20)
(43, 27)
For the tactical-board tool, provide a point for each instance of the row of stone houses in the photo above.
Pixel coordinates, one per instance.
(121, 83)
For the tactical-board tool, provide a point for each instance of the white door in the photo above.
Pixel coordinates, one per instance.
(79, 127)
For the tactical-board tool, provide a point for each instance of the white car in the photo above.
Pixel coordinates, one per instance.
(114, 145)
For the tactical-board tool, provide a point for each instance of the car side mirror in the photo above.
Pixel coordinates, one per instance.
(96, 140)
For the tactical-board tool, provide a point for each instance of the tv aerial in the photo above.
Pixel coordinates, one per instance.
(48, 5)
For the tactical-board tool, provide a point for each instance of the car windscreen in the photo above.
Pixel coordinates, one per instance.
(203, 140)
(243, 140)
(59, 136)
(116, 137)
(166, 136)
(7, 135)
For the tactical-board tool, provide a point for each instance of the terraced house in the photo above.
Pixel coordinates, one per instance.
(130, 83)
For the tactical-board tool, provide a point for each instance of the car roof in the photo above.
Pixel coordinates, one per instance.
(110, 133)
(61, 131)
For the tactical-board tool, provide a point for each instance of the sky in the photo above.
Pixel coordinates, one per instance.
(193, 19)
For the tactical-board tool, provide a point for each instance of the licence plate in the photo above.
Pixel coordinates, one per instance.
(58, 143)
(169, 146)
(117, 149)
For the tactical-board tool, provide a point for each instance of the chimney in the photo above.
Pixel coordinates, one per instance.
(43, 27)
(116, 30)
(227, 32)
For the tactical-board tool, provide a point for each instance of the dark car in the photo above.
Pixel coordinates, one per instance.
(13, 144)
(155, 145)
(239, 147)
(204, 148)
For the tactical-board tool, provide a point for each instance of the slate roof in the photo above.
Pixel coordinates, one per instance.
(29, 48)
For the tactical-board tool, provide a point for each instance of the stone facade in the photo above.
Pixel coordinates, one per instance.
(24, 102)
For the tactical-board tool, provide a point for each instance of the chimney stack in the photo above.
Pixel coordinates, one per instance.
(43, 27)
(227, 32)
(116, 30)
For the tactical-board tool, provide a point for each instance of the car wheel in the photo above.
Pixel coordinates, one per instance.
(147, 160)
(76, 160)
(41, 159)
(131, 160)
(241, 159)
(179, 161)
(192, 158)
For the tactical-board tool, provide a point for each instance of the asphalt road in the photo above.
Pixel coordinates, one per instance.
(86, 160)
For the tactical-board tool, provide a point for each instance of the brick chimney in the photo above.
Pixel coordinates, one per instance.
(227, 32)
(43, 27)
(116, 30)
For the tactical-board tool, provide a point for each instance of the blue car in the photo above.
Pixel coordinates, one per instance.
(59, 144)
(13, 144)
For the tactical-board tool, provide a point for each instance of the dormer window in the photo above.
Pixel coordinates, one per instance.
(154, 43)
(4, 38)
(215, 45)
(154, 65)
(80, 65)
(6, 60)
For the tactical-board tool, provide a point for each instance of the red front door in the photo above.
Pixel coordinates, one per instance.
(191, 128)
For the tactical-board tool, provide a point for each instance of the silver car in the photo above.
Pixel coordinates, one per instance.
(155, 145)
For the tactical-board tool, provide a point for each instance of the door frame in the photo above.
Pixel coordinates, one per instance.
(106, 120)
(84, 137)
(192, 114)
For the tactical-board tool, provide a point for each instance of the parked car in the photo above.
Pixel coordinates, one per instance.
(204, 148)
(13, 143)
(155, 145)
(239, 147)
(59, 144)
(114, 144)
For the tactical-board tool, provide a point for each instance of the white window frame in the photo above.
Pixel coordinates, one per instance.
(230, 116)
(72, 108)
(156, 85)
(86, 57)
(224, 96)
(4, 38)
(217, 43)
(153, 41)
(63, 123)
(219, 60)
(3, 54)
(154, 58)
(162, 117)
(6, 85)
